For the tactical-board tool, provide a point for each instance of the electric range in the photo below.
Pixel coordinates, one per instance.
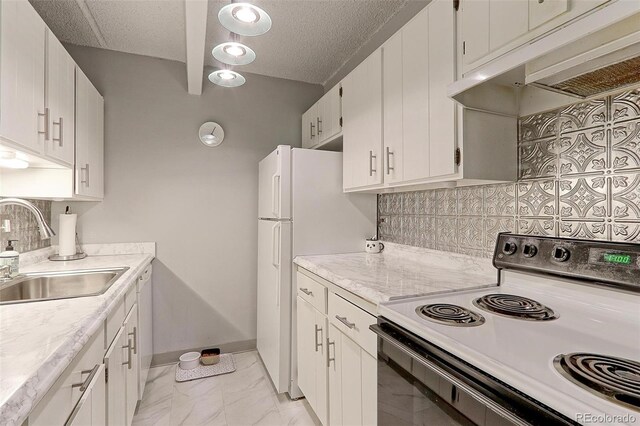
(556, 342)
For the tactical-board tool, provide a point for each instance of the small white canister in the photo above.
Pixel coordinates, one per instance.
(373, 246)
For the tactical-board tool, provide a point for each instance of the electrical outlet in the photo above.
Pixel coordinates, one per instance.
(5, 225)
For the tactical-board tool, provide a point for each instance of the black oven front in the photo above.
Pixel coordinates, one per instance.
(420, 384)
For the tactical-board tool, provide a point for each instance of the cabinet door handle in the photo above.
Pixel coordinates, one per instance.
(372, 157)
(307, 291)
(311, 130)
(389, 154)
(135, 340)
(329, 359)
(318, 345)
(60, 130)
(46, 133)
(319, 123)
(86, 174)
(345, 321)
(85, 384)
(128, 348)
(85, 395)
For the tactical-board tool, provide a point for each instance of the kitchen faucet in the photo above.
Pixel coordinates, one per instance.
(45, 230)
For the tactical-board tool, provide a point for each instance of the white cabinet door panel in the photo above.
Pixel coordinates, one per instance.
(306, 349)
(116, 372)
(415, 97)
(369, 389)
(351, 382)
(508, 19)
(475, 29)
(392, 99)
(442, 128)
(334, 346)
(22, 75)
(133, 366)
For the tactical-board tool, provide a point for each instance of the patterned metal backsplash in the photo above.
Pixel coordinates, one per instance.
(24, 227)
(579, 176)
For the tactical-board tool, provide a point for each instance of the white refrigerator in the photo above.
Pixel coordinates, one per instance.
(302, 210)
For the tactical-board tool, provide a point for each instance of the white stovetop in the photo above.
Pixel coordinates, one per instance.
(39, 340)
(521, 353)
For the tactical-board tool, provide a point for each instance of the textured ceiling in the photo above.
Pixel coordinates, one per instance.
(309, 40)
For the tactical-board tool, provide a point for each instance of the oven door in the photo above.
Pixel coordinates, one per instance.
(419, 384)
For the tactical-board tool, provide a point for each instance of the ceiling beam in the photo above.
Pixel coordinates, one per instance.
(196, 27)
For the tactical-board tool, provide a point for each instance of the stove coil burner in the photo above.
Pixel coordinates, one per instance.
(510, 305)
(447, 314)
(615, 379)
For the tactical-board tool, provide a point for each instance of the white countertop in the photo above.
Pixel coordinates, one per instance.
(401, 271)
(39, 340)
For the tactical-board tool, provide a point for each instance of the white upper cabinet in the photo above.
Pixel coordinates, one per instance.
(321, 124)
(89, 167)
(362, 124)
(491, 28)
(310, 127)
(22, 76)
(60, 86)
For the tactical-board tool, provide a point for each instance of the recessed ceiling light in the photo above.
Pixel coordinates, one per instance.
(226, 78)
(233, 53)
(10, 160)
(245, 19)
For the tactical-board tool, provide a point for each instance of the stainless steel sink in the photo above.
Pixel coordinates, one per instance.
(34, 287)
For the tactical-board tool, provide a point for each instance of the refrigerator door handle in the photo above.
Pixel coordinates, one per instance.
(275, 194)
(275, 256)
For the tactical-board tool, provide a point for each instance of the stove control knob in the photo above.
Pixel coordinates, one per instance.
(529, 250)
(509, 248)
(560, 254)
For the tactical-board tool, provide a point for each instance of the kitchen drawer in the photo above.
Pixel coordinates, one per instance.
(353, 322)
(58, 403)
(113, 323)
(130, 299)
(313, 292)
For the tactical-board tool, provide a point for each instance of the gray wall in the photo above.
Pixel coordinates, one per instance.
(199, 204)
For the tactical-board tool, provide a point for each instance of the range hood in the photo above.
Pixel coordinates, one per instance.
(592, 55)
(603, 61)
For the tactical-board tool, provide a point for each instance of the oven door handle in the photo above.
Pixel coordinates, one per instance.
(496, 408)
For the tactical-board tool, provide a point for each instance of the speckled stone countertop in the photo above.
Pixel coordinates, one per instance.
(39, 340)
(401, 271)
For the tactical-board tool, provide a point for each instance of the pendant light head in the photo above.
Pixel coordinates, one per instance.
(233, 53)
(226, 78)
(244, 19)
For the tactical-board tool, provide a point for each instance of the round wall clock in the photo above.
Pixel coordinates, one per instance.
(211, 134)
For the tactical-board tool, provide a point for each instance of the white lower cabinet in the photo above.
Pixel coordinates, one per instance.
(101, 387)
(337, 366)
(312, 372)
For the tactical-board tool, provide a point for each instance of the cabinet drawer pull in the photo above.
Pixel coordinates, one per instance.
(135, 340)
(318, 345)
(371, 162)
(313, 135)
(46, 124)
(319, 127)
(307, 291)
(389, 154)
(346, 322)
(60, 131)
(128, 348)
(84, 385)
(329, 359)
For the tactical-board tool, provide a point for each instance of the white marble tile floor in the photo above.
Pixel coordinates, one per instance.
(244, 397)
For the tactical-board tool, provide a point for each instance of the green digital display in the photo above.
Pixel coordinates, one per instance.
(617, 258)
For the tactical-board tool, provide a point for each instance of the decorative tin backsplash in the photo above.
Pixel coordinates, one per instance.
(24, 227)
(579, 176)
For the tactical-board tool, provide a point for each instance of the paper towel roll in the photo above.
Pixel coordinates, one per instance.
(67, 235)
